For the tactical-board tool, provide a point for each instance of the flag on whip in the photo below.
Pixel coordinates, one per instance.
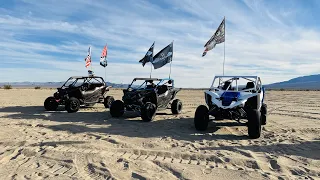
(148, 57)
(217, 38)
(163, 57)
(103, 58)
(88, 58)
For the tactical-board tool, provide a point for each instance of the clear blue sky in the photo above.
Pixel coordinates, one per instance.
(45, 40)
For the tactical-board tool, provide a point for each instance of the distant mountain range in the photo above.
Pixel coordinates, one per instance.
(311, 82)
(51, 84)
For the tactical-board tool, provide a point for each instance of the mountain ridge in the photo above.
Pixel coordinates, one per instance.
(27, 84)
(310, 82)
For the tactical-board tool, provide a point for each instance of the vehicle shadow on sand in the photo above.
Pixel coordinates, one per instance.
(178, 128)
(130, 125)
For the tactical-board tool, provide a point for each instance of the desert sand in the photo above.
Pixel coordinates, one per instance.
(89, 144)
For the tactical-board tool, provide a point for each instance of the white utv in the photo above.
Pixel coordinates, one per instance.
(228, 99)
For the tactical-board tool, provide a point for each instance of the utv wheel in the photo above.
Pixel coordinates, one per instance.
(201, 118)
(263, 114)
(72, 105)
(108, 101)
(254, 123)
(148, 111)
(50, 104)
(176, 106)
(117, 108)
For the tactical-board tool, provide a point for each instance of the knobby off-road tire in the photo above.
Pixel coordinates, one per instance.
(117, 108)
(108, 101)
(201, 118)
(148, 112)
(176, 106)
(254, 123)
(72, 105)
(50, 104)
(263, 114)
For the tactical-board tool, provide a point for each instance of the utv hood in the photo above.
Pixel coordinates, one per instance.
(228, 97)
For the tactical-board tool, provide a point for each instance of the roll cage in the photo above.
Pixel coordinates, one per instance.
(148, 84)
(99, 80)
(224, 83)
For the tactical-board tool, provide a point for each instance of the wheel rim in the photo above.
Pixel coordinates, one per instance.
(179, 107)
(116, 108)
(202, 117)
(121, 108)
(151, 111)
(73, 105)
(51, 104)
(110, 102)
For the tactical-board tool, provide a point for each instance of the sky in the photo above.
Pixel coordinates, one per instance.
(47, 40)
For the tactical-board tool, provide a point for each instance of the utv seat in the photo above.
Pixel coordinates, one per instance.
(91, 87)
(226, 85)
(249, 86)
(150, 86)
(162, 89)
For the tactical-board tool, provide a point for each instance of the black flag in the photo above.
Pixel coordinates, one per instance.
(163, 57)
(148, 57)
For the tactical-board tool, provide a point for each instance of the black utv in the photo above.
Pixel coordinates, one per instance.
(79, 91)
(147, 97)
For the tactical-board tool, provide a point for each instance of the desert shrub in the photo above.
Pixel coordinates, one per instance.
(37, 87)
(8, 86)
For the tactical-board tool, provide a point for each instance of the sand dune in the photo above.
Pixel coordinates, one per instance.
(89, 144)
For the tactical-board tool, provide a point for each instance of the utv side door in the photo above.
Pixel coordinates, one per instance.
(164, 96)
(165, 93)
(92, 95)
(94, 92)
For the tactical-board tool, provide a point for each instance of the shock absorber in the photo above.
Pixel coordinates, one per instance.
(242, 113)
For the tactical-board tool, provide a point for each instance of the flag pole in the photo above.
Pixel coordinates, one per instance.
(224, 44)
(105, 70)
(151, 69)
(91, 59)
(224, 56)
(105, 74)
(171, 60)
(170, 69)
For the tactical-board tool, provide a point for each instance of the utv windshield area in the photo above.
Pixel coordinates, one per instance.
(74, 82)
(143, 83)
(236, 83)
(149, 83)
